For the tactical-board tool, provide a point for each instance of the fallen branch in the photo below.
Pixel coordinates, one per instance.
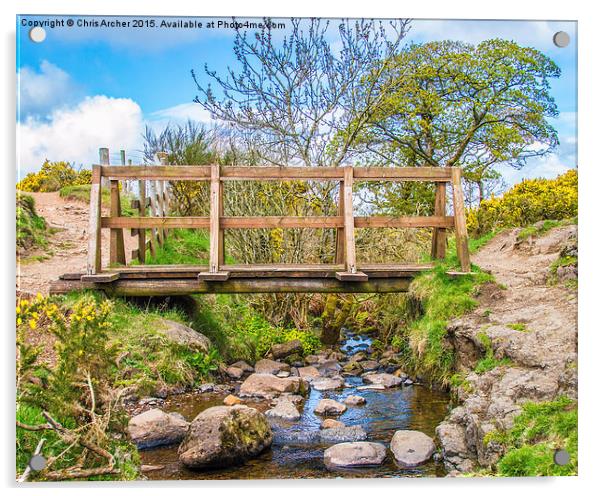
(69, 437)
(79, 474)
(28, 469)
(27, 427)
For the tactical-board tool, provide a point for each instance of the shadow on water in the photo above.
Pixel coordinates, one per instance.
(295, 452)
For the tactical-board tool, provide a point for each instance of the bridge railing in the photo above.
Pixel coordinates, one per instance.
(345, 222)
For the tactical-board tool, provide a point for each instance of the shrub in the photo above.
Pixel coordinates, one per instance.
(528, 202)
(53, 176)
(72, 404)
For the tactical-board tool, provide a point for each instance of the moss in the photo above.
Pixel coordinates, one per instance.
(519, 326)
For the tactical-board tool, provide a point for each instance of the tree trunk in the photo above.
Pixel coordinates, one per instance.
(336, 312)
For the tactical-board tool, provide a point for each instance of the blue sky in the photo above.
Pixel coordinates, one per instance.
(83, 88)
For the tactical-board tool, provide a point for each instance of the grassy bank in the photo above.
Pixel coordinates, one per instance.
(538, 431)
(423, 314)
(31, 230)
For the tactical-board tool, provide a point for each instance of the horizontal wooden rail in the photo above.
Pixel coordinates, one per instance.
(267, 222)
(227, 173)
(417, 221)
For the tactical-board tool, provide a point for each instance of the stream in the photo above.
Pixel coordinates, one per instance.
(295, 453)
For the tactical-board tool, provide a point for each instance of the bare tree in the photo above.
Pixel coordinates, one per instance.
(298, 99)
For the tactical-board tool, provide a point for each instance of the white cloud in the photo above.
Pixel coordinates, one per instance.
(178, 115)
(181, 113)
(43, 90)
(548, 166)
(75, 133)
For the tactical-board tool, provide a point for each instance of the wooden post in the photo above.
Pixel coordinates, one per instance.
(351, 273)
(103, 154)
(156, 210)
(439, 241)
(94, 265)
(214, 230)
(214, 227)
(162, 156)
(142, 213)
(221, 253)
(460, 220)
(126, 186)
(116, 245)
(339, 256)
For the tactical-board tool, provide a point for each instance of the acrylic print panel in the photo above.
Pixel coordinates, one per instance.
(295, 248)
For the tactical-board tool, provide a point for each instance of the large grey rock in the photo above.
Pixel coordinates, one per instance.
(157, 428)
(225, 435)
(352, 368)
(242, 365)
(343, 434)
(412, 448)
(329, 407)
(285, 349)
(329, 368)
(359, 454)
(234, 372)
(270, 386)
(456, 455)
(368, 365)
(327, 383)
(308, 372)
(330, 423)
(266, 366)
(354, 400)
(386, 380)
(284, 409)
(184, 335)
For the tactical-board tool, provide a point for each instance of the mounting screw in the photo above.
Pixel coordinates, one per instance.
(561, 457)
(37, 463)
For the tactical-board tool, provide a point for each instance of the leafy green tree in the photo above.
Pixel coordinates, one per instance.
(451, 103)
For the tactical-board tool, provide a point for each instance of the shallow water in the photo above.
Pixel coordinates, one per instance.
(409, 407)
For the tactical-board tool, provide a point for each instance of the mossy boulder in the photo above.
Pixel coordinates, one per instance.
(222, 436)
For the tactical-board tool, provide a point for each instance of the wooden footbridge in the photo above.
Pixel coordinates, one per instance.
(343, 276)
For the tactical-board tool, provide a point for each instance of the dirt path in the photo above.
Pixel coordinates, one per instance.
(67, 248)
(531, 328)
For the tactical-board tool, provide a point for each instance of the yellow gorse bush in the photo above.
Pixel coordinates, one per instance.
(528, 202)
(54, 176)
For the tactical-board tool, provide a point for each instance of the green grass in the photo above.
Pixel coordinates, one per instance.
(519, 326)
(536, 231)
(538, 431)
(31, 228)
(489, 362)
(183, 247)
